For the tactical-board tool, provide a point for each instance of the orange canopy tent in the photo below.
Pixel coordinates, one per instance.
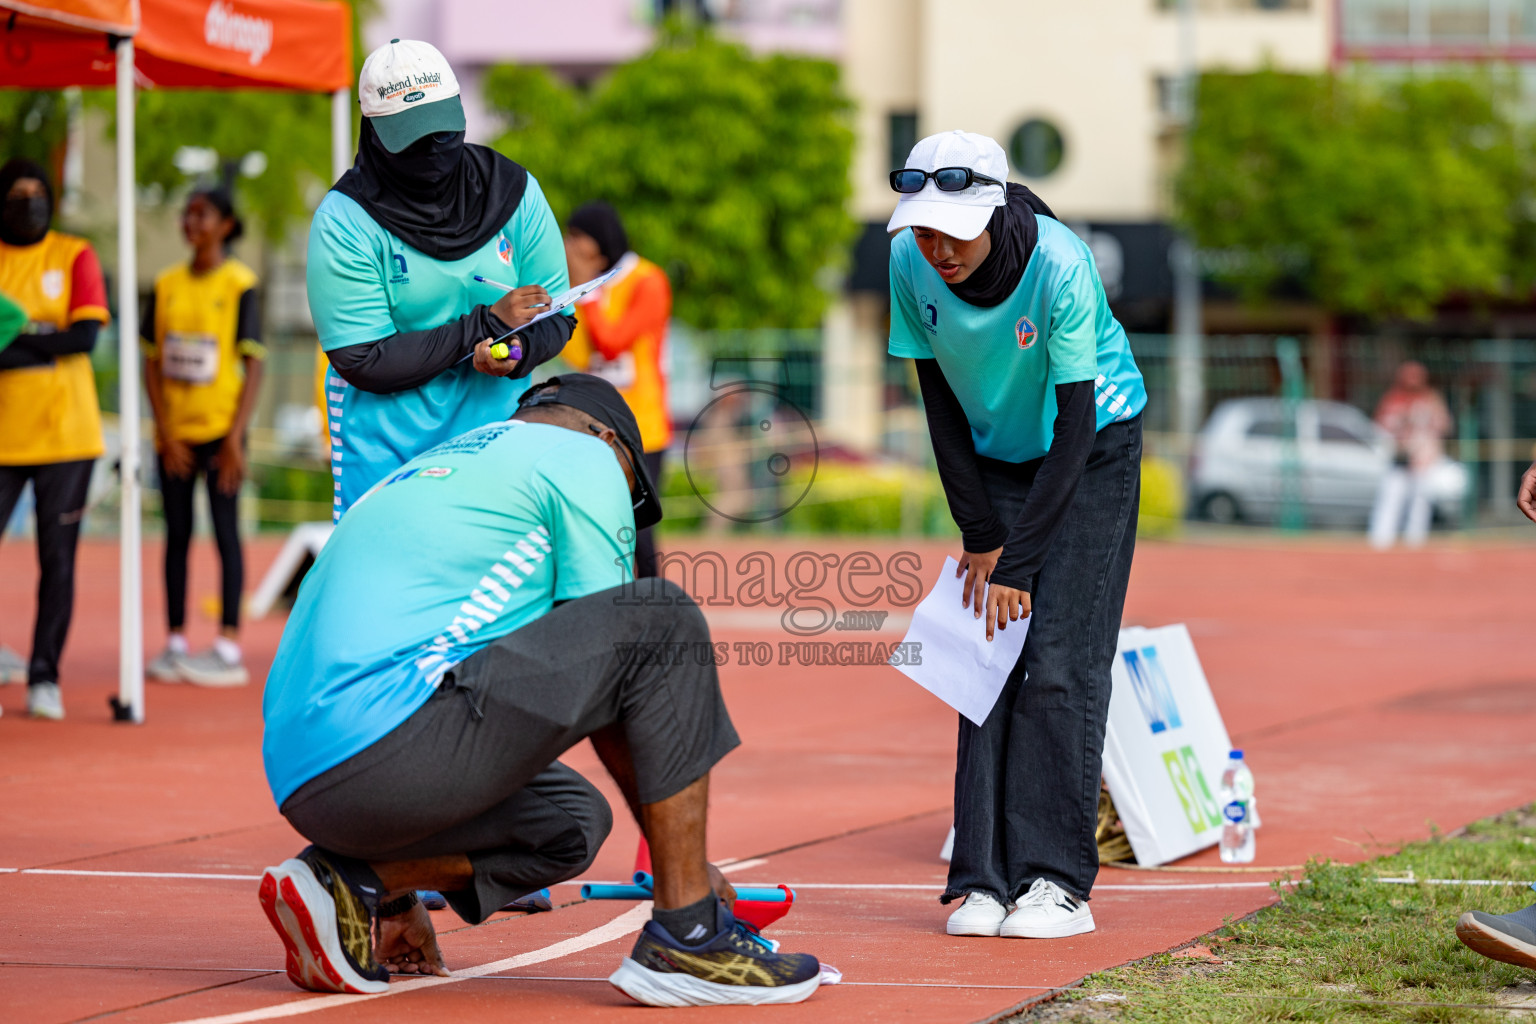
(303, 45)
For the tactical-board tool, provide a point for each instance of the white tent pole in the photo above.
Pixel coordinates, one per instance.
(130, 691)
(341, 133)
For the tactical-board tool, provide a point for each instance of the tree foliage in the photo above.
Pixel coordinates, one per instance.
(730, 170)
(1381, 197)
(291, 131)
(33, 124)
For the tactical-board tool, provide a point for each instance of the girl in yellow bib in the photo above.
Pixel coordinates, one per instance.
(202, 369)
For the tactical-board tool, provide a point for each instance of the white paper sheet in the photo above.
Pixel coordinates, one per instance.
(959, 666)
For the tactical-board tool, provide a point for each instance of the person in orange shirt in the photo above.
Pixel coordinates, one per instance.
(50, 422)
(621, 334)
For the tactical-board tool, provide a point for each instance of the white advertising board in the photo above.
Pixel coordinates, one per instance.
(1165, 747)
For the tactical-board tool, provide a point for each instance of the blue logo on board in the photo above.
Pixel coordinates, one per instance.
(1153, 693)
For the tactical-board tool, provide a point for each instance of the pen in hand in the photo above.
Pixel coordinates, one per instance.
(508, 288)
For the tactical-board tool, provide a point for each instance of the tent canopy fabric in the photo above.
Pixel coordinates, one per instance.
(212, 44)
(120, 17)
(303, 45)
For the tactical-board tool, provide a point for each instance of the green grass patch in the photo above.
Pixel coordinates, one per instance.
(1343, 946)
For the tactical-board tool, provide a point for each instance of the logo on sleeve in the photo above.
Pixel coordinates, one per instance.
(1026, 332)
(504, 249)
(928, 311)
(398, 272)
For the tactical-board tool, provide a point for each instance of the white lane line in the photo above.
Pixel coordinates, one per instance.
(627, 923)
(742, 865)
(1450, 881)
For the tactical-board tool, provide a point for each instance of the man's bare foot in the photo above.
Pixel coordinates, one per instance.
(407, 944)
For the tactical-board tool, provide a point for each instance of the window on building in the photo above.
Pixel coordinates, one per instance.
(1438, 22)
(903, 136)
(1036, 148)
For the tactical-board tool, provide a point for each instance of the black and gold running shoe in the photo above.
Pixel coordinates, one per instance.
(324, 915)
(735, 967)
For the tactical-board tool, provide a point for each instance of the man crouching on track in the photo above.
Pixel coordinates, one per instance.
(456, 635)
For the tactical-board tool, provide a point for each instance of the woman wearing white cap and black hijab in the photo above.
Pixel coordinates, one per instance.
(1033, 403)
(402, 255)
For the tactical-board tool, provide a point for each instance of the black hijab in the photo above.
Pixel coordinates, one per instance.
(24, 221)
(600, 222)
(1014, 233)
(445, 198)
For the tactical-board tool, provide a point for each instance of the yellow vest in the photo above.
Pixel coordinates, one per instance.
(50, 413)
(198, 348)
(639, 371)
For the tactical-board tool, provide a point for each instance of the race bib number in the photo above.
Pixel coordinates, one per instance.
(193, 358)
(619, 372)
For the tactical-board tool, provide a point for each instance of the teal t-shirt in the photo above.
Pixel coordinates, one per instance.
(464, 544)
(1004, 362)
(365, 284)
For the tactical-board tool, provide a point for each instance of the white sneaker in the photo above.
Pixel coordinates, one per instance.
(44, 701)
(13, 667)
(210, 669)
(165, 667)
(1047, 911)
(980, 914)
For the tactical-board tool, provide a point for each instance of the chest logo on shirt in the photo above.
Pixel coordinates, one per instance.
(1026, 332)
(928, 311)
(53, 283)
(504, 249)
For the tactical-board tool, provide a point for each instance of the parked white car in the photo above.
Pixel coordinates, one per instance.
(1237, 469)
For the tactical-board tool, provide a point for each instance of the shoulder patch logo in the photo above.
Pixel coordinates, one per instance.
(928, 311)
(1026, 332)
(504, 249)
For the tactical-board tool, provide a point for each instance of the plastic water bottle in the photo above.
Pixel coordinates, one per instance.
(1237, 811)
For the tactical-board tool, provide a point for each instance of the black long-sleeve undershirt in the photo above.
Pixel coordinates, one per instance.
(411, 358)
(42, 349)
(1054, 485)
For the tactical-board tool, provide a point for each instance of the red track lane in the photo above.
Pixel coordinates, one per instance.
(1375, 695)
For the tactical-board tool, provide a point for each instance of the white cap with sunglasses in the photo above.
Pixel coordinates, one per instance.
(952, 182)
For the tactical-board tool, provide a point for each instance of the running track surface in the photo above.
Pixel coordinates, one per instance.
(1378, 696)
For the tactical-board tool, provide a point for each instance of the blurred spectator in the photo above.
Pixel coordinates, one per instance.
(50, 422)
(202, 368)
(1416, 417)
(621, 333)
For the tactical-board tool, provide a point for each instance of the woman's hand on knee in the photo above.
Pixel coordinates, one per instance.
(977, 568)
(1005, 605)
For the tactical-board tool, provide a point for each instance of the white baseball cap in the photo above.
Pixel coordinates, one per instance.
(963, 214)
(408, 90)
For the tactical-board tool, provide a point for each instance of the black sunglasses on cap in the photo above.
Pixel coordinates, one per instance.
(948, 179)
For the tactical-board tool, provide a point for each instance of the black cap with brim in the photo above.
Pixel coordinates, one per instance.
(397, 131)
(602, 401)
